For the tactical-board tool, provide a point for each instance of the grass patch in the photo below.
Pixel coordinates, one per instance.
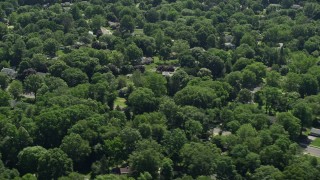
(138, 32)
(316, 142)
(60, 53)
(151, 67)
(157, 61)
(121, 102)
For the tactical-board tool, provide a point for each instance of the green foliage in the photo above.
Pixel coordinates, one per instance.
(201, 97)
(4, 81)
(30, 155)
(33, 83)
(134, 54)
(54, 163)
(4, 98)
(142, 100)
(289, 123)
(146, 160)
(199, 158)
(157, 83)
(75, 147)
(127, 24)
(268, 172)
(50, 46)
(303, 112)
(15, 89)
(101, 105)
(74, 76)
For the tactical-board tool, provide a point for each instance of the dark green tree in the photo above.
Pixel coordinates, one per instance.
(15, 89)
(290, 124)
(199, 159)
(54, 163)
(74, 76)
(134, 54)
(50, 46)
(157, 83)
(75, 147)
(146, 159)
(166, 171)
(303, 112)
(4, 80)
(142, 100)
(30, 155)
(127, 24)
(267, 172)
(33, 83)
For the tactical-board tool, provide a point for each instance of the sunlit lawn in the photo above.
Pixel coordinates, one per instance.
(316, 142)
(121, 102)
(138, 32)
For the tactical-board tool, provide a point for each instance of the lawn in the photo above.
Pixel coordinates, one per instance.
(60, 53)
(121, 102)
(138, 32)
(316, 142)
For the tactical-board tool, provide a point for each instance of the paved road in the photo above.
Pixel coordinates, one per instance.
(313, 151)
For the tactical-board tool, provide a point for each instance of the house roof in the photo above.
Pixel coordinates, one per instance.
(296, 6)
(228, 38)
(9, 72)
(275, 5)
(105, 31)
(315, 131)
(125, 170)
(229, 45)
(146, 60)
(166, 73)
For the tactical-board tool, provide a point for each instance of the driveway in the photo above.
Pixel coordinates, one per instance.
(312, 151)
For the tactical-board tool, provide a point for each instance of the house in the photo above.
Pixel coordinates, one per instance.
(125, 170)
(105, 31)
(78, 44)
(10, 72)
(228, 38)
(42, 74)
(275, 5)
(218, 131)
(167, 74)
(66, 4)
(315, 132)
(296, 6)
(113, 25)
(226, 133)
(162, 68)
(146, 60)
(280, 45)
(46, 5)
(229, 46)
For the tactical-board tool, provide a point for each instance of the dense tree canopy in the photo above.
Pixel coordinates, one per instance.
(154, 89)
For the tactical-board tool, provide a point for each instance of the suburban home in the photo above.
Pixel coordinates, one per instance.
(113, 25)
(125, 170)
(229, 46)
(228, 38)
(167, 74)
(296, 6)
(10, 72)
(315, 132)
(146, 60)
